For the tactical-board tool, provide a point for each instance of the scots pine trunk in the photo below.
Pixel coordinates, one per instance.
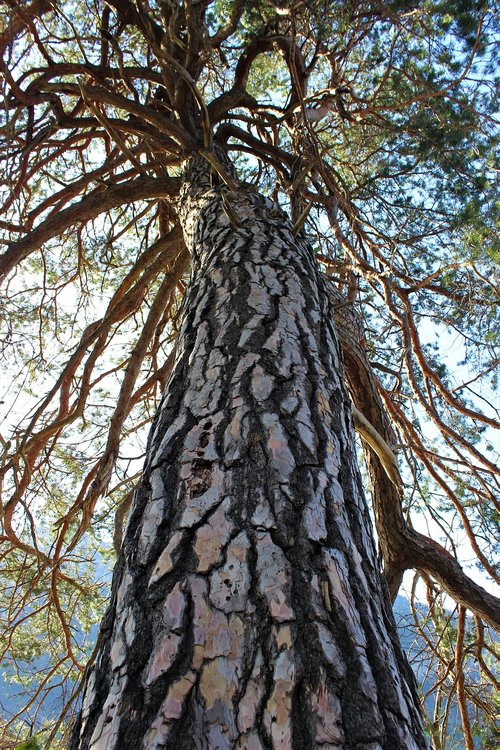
(248, 610)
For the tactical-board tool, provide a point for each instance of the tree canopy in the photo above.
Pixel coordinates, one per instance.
(373, 125)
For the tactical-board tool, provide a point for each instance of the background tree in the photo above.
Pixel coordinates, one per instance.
(372, 125)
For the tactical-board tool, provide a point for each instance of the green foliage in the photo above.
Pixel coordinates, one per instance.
(33, 743)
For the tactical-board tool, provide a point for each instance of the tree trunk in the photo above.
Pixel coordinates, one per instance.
(248, 610)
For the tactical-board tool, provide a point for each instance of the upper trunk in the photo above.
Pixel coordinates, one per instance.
(248, 609)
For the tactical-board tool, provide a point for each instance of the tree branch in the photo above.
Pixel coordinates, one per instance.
(93, 204)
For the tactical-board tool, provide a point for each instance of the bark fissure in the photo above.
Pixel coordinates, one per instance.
(249, 611)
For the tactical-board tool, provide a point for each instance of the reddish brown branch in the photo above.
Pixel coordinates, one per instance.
(93, 204)
(401, 547)
(107, 462)
(21, 20)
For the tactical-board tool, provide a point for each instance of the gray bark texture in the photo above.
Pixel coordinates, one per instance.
(248, 610)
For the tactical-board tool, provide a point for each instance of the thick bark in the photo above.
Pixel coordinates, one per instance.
(248, 609)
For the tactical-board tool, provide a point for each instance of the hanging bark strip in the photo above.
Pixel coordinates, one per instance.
(248, 609)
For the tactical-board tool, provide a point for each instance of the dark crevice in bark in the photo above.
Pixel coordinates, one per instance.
(303, 736)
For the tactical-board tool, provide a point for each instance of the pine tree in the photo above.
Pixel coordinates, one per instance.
(307, 185)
